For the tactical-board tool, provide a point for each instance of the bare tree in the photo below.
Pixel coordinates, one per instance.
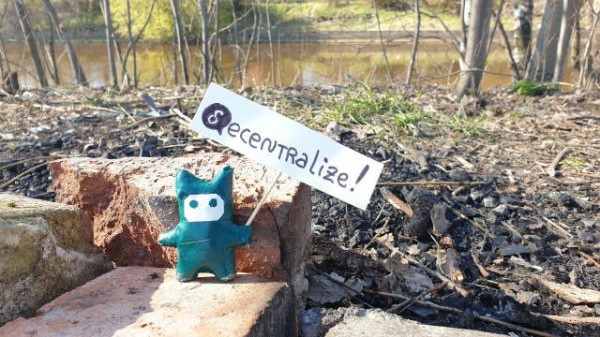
(270, 46)
(31, 42)
(205, 41)
(477, 43)
(77, 71)
(180, 44)
(49, 47)
(387, 63)
(132, 43)
(110, 43)
(522, 33)
(413, 58)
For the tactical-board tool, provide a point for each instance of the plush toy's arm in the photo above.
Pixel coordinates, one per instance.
(241, 235)
(169, 238)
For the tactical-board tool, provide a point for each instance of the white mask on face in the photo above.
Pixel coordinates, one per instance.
(203, 207)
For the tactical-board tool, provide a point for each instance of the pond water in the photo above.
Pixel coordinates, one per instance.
(295, 64)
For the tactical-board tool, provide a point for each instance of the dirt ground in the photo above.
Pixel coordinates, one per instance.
(516, 231)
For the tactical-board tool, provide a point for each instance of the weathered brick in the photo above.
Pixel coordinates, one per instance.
(147, 301)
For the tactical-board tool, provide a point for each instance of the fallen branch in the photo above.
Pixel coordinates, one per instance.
(551, 170)
(23, 174)
(431, 183)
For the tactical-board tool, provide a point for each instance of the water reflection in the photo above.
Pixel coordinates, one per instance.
(296, 64)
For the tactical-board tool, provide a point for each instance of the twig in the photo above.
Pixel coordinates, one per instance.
(396, 202)
(311, 267)
(562, 230)
(407, 303)
(362, 251)
(147, 119)
(431, 183)
(589, 258)
(577, 174)
(551, 170)
(22, 174)
(481, 268)
(182, 116)
(11, 165)
(262, 201)
(431, 272)
(458, 190)
(458, 311)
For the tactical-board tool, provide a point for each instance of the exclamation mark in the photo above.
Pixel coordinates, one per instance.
(360, 176)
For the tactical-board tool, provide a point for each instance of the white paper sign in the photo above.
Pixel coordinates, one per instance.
(285, 145)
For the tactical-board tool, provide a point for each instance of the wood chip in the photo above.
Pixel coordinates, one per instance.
(396, 202)
(568, 292)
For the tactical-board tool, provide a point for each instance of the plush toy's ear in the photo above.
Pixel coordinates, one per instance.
(223, 182)
(187, 184)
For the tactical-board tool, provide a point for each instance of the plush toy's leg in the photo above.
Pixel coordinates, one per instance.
(225, 269)
(187, 268)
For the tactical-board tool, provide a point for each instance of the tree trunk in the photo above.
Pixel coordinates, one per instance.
(205, 41)
(589, 77)
(522, 33)
(31, 43)
(552, 44)
(179, 30)
(413, 58)
(77, 71)
(477, 43)
(110, 43)
(49, 47)
(570, 11)
(576, 45)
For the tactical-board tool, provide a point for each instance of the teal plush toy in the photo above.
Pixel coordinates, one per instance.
(205, 236)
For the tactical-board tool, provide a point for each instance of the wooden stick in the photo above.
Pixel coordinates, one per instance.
(551, 170)
(431, 183)
(22, 174)
(481, 268)
(588, 257)
(562, 230)
(262, 201)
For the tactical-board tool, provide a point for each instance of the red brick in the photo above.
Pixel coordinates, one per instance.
(132, 200)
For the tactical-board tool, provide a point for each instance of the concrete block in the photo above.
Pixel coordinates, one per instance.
(46, 249)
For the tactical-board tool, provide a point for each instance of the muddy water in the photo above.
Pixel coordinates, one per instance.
(295, 64)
